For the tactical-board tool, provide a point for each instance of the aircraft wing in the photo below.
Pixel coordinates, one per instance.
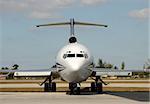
(30, 73)
(115, 72)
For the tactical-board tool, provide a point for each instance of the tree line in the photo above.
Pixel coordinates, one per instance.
(11, 75)
(104, 64)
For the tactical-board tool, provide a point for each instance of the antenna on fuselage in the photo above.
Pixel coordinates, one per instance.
(72, 38)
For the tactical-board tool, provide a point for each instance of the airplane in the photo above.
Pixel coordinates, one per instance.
(74, 64)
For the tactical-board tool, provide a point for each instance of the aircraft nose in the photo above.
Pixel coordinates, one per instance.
(76, 66)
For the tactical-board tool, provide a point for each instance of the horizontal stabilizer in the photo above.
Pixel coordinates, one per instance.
(54, 24)
(72, 23)
(90, 24)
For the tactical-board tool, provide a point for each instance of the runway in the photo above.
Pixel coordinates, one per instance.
(63, 98)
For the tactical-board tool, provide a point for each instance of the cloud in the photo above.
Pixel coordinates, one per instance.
(12, 5)
(140, 14)
(43, 15)
(92, 2)
(35, 8)
(42, 9)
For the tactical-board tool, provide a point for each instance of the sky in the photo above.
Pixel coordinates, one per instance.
(127, 37)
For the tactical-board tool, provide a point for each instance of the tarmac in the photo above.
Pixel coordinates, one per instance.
(84, 98)
(116, 92)
(33, 85)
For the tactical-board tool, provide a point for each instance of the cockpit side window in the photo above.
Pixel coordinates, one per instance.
(64, 56)
(85, 55)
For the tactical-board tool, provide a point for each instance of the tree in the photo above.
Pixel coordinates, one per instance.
(147, 64)
(122, 65)
(11, 75)
(15, 66)
(4, 68)
(108, 65)
(100, 63)
(115, 67)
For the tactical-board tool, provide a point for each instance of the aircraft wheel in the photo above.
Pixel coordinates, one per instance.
(99, 87)
(74, 89)
(77, 91)
(53, 87)
(93, 87)
(46, 87)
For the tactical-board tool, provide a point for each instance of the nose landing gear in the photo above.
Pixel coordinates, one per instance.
(74, 88)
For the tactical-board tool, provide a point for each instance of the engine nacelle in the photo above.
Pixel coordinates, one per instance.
(72, 39)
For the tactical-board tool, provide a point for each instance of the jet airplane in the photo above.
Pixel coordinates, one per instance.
(74, 64)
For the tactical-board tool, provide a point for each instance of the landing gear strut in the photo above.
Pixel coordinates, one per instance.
(97, 86)
(74, 88)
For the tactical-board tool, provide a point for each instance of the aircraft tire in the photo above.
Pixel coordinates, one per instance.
(93, 87)
(74, 89)
(46, 87)
(53, 87)
(77, 91)
(99, 87)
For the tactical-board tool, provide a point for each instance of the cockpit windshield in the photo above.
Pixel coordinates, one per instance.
(68, 55)
(75, 55)
(79, 55)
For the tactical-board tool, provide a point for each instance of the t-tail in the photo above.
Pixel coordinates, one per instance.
(72, 38)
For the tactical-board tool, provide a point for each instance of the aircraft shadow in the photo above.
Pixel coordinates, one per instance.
(86, 91)
(137, 96)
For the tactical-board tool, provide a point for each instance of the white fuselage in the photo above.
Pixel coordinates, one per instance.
(76, 63)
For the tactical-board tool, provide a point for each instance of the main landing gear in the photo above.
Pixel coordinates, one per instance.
(49, 86)
(97, 86)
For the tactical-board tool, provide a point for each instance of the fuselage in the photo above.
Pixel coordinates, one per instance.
(75, 61)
